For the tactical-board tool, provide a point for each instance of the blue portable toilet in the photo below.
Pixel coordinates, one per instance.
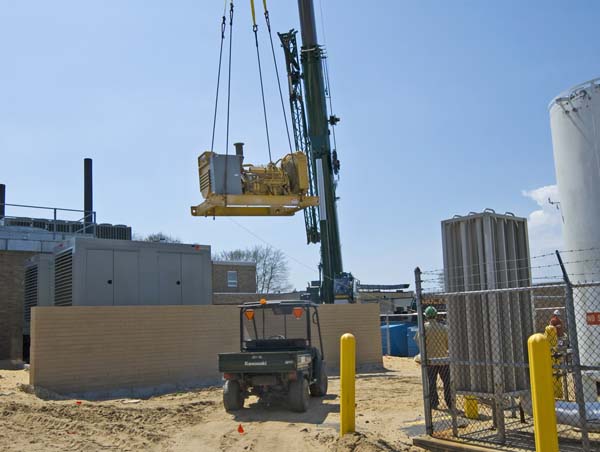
(412, 348)
(398, 342)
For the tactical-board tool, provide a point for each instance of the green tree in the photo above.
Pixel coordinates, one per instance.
(157, 237)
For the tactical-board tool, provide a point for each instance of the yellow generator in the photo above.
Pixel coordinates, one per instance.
(232, 188)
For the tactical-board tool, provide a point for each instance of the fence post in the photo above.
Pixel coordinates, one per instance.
(542, 394)
(574, 343)
(423, 353)
(388, 335)
(347, 383)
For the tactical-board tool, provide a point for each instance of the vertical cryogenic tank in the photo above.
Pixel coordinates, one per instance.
(485, 252)
(575, 124)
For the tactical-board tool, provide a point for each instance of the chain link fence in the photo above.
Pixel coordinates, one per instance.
(473, 352)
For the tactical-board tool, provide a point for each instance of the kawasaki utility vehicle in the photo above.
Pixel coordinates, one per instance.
(278, 356)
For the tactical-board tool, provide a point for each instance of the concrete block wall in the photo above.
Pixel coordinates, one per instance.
(362, 320)
(93, 349)
(132, 350)
(11, 304)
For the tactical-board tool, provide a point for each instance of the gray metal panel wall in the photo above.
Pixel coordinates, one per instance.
(119, 272)
(488, 251)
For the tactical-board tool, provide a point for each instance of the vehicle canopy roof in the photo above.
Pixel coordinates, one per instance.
(273, 303)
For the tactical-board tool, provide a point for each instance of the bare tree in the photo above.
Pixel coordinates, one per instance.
(157, 237)
(272, 271)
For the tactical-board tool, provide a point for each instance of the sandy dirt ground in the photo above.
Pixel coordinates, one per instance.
(389, 413)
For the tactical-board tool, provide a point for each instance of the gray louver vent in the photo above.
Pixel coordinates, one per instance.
(31, 290)
(63, 278)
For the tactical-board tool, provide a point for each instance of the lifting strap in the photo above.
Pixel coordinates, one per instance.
(262, 89)
(223, 22)
(229, 82)
(228, 93)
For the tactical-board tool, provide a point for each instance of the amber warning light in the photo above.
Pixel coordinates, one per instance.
(298, 312)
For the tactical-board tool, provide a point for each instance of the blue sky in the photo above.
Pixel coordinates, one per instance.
(443, 107)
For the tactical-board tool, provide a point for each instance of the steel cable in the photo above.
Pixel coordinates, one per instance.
(287, 128)
(262, 90)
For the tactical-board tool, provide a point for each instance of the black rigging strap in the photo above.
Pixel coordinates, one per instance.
(262, 88)
(260, 74)
(229, 82)
(223, 24)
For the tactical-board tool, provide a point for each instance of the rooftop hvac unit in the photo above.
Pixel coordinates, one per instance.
(95, 272)
(40, 223)
(38, 282)
(113, 232)
(105, 231)
(482, 252)
(123, 232)
(19, 221)
(76, 227)
(61, 226)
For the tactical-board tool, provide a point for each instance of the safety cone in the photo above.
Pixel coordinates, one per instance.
(240, 429)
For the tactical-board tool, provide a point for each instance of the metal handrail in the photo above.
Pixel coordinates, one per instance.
(91, 216)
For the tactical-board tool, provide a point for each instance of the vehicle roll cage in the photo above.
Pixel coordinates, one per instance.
(305, 305)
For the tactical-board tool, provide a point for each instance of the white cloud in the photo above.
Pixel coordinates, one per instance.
(545, 223)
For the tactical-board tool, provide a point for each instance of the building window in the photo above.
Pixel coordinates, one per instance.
(232, 281)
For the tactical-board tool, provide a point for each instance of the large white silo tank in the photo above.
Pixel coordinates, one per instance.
(575, 124)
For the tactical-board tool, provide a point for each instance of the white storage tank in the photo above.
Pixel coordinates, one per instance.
(575, 124)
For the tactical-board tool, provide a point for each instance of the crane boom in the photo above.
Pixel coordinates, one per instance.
(299, 127)
(320, 149)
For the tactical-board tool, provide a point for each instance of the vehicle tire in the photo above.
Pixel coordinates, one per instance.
(233, 399)
(319, 387)
(298, 395)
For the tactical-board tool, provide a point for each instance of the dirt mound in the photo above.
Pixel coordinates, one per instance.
(358, 442)
(95, 426)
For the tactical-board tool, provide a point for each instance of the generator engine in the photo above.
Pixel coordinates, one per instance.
(232, 187)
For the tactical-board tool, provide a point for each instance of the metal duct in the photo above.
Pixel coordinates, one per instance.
(2, 200)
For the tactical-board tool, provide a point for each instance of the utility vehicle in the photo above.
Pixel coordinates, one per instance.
(278, 356)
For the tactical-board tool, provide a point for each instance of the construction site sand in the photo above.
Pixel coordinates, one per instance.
(388, 406)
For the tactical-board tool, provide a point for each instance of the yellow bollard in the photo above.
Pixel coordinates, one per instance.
(471, 407)
(540, 374)
(553, 340)
(347, 383)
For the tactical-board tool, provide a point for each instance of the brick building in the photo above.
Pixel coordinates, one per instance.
(234, 277)
(11, 304)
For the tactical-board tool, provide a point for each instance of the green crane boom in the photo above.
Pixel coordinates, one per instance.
(311, 122)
